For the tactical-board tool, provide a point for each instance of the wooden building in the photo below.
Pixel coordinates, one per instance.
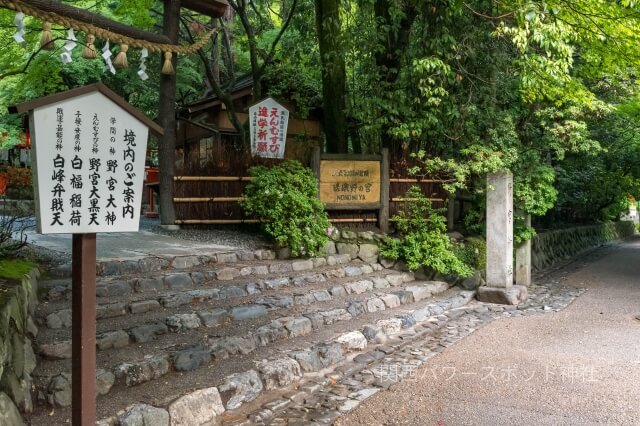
(212, 162)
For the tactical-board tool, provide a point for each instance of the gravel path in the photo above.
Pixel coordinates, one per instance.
(579, 366)
(244, 236)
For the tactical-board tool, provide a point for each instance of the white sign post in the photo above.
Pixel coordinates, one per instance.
(90, 148)
(268, 122)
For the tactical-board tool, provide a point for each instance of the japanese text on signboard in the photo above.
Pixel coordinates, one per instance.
(268, 129)
(350, 183)
(90, 157)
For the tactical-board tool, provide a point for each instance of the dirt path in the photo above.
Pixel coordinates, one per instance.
(580, 366)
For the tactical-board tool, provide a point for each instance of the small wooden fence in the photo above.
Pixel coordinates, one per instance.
(213, 200)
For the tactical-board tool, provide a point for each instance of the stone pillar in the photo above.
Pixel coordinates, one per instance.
(499, 273)
(500, 230)
(523, 259)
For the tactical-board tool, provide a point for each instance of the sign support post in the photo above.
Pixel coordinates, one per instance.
(83, 314)
(90, 147)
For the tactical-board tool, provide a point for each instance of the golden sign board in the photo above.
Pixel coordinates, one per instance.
(350, 184)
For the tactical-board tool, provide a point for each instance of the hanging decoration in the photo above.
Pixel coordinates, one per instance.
(19, 23)
(106, 55)
(167, 66)
(69, 45)
(46, 40)
(89, 51)
(104, 32)
(142, 70)
(121, 58)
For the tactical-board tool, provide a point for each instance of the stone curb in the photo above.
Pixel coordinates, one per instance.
(154, 366)
(177, 280)
(190, 295)
(326, 399)
(158, 263)
(281, 373)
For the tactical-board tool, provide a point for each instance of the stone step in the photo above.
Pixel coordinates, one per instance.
(157, 281)
(181, 336)
(356, 296)
(146, 264)
(240, 377)
(57, 314)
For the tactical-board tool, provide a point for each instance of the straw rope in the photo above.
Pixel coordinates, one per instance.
(104, 34)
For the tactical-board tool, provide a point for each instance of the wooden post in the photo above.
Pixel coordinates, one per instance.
(315, 162)
(83, 365)
(451, 211)
(383, 215)
(167, 119)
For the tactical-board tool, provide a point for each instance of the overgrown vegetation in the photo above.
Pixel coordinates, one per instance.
(423, 240)
(285, 199)
(544, 88)
(13, 227)
(15, 268)
(473, 252)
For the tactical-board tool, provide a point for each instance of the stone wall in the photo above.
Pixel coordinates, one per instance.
(359, 245)
(17, 359)
(553, 247)
(17, 207)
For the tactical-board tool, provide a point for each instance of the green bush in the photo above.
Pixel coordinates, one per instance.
(473, 252)
(285, 199)
(423, 238)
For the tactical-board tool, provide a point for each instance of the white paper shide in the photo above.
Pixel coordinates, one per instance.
(268, 121)
(89, 166)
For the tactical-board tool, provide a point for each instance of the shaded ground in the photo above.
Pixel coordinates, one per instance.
(580, 366)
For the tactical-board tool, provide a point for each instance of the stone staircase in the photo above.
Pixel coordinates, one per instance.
(206, 339)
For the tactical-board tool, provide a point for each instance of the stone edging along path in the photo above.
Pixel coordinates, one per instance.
(330, 397)
(204, 405)
(317, 385)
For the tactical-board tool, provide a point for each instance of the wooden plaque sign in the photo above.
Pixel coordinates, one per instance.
(350, 184)
(89, 159)
(90, 148)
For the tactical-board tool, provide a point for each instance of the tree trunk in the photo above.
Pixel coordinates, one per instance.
(215, 53)
(333, 75)
(167, 118)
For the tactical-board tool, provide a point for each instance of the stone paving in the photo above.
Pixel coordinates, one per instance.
(303, 341)
(326, 398)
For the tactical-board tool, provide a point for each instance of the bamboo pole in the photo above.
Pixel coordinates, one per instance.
(206, 199)
(408, 180)
(212, 178)
(406, 200)
(354, 220)
(215, 221)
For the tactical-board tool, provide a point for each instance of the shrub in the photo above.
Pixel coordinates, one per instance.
(13, 229)
(285, 199)
(473, 252)
(423, 238)
(19, 183)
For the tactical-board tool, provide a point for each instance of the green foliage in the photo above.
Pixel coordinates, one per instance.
(423, 238)
(473, 252)
(522, 233)
(15, 268)
(285, 198)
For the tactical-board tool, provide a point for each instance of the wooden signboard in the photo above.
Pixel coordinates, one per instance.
(268, 121)
(350, 184)
(88, 169)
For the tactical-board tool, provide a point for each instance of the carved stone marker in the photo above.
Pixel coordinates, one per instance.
(500, 287)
